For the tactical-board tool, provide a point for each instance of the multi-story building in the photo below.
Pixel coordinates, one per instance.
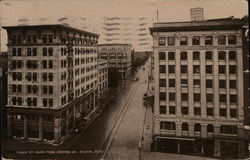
(199, 95)
(52, 81)
(102, 77)
(118, 56)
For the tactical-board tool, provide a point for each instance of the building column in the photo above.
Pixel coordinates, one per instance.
(202, 147)
(40, 128)
(179, 147)
(67, 122)
(217, 148)
(57, 130)
(155, 145)
(9, 125)
(191, 129)
(216, 130)
(178, 129)
(25, 126)
(216, 141)
(94, 100)
(204, 130)
(74, 115)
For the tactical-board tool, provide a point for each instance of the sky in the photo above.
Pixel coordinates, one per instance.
(91, 13)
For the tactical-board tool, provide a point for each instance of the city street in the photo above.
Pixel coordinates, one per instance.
(117, 131)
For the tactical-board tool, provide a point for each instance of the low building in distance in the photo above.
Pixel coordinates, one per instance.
(199, 94)
(52, 80)
(118, 57)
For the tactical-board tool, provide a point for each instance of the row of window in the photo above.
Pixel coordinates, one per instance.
(31, 101)
(32, 76)
(197, 97)
(196, 40)
(78, 51)
(197, 111)
(196, 83)
(32, 51)
(224, 129)
(32, 89)
(197, 69)
(222, 55)
(32, 64)
(48, 38)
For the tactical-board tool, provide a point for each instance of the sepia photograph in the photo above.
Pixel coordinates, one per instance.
(124, 79)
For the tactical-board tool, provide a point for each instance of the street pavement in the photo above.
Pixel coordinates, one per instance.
(126, 141)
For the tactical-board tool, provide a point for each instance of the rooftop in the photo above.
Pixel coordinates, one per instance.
(210, 24)
(53, 26)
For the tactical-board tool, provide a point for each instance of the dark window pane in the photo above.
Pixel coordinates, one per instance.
(210, 111)
(232, 55)
(162, 96)
(222, 55)
(171, 109)
(184, 69)
(196, 69)
(171, 82)
(171, 56)
(197, 111)
(171, 69)
(184, 126)
(162, 69)
(184, 110)
(162, 56)
(197, 127)
(183, 41)
(209, 55)
(163, 110)
(208, 40)
(183, 55)
(223, 98)
(233, 113)
(196, 55)
(222, 40)
(196, 40)
(232, 39)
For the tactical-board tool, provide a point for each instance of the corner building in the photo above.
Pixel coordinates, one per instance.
(52, 81)
(199, 96)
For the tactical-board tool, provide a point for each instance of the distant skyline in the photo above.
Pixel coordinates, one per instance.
(89, 14)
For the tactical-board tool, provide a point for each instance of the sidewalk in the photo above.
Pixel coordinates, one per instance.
(146, 154)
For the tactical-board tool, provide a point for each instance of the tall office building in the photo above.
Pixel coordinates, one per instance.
(52, 81)
(199, 94)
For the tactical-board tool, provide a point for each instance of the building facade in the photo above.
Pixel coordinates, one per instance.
(199, 96)
(102, 77)
(118, 56)
(52, 80)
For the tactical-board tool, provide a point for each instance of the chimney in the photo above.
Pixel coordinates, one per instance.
(197, 14)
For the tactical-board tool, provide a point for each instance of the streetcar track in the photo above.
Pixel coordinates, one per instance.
(116, 126)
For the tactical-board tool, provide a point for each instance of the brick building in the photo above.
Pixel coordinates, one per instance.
(52, 81)
(118, 56)
(199, 94)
